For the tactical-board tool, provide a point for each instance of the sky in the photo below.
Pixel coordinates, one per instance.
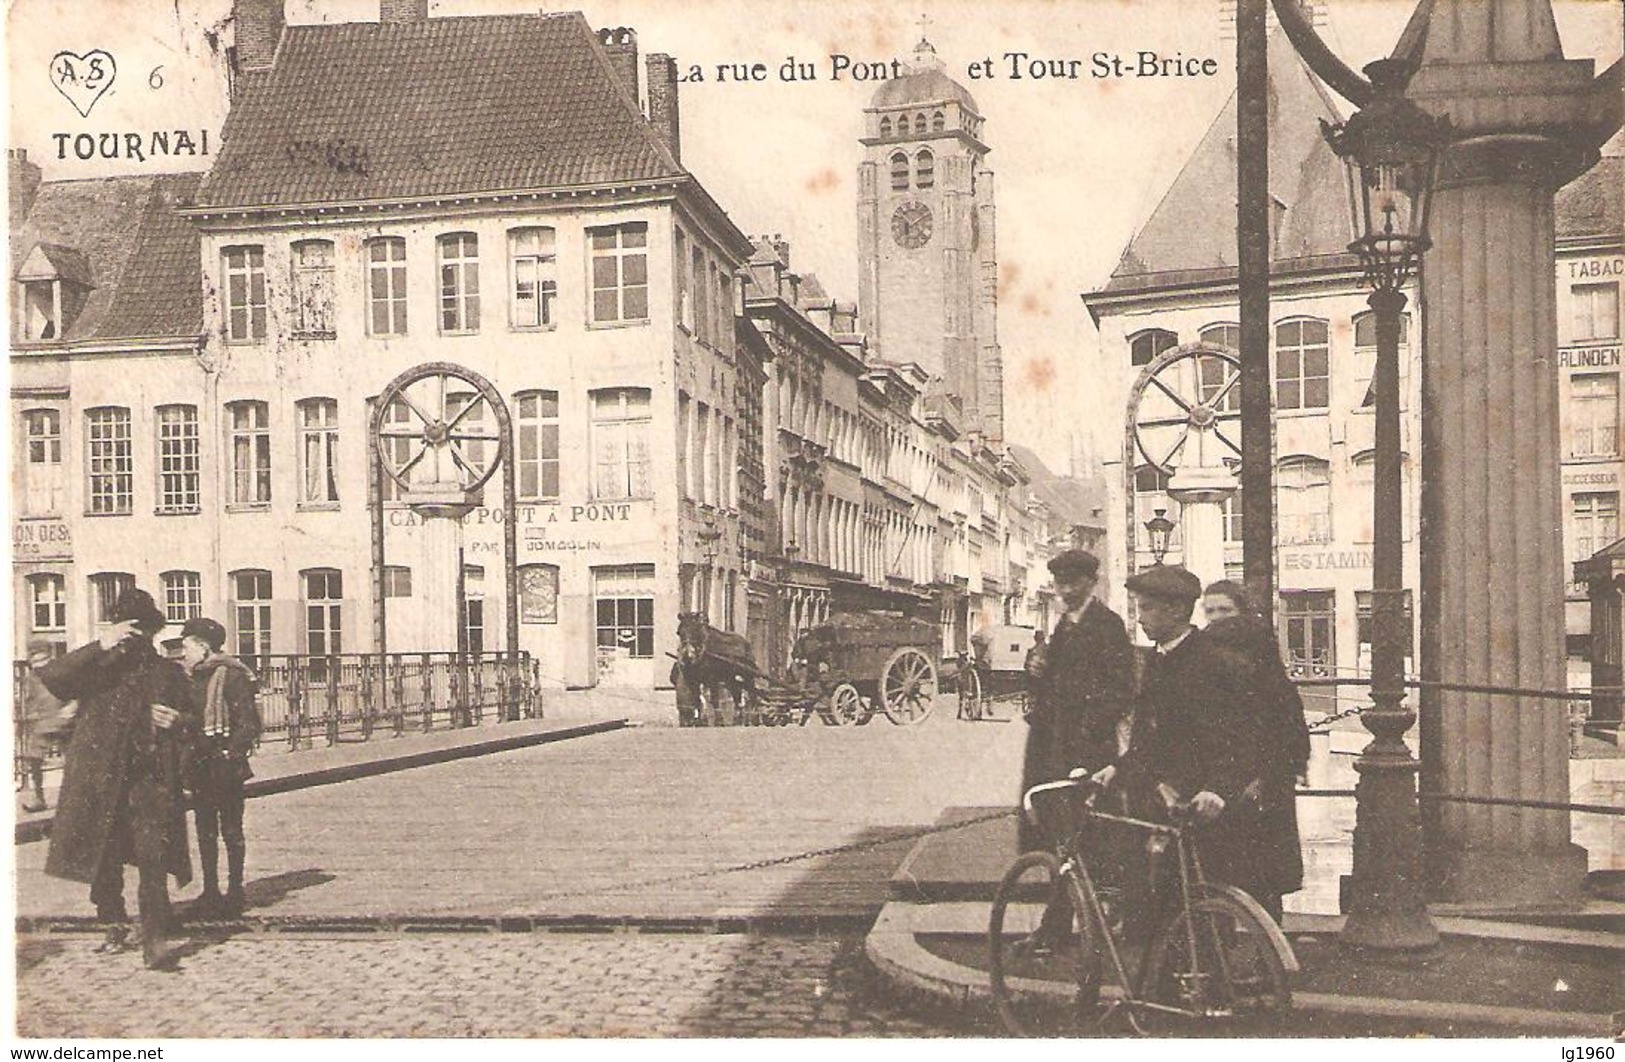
(1078, 163)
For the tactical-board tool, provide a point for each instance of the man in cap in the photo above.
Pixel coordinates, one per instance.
(226, 689)
(1196, 742)
(121, 788)
(1079, 683)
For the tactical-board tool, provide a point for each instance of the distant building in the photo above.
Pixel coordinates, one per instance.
(1176, 284)
(106, 341)
(696, 427)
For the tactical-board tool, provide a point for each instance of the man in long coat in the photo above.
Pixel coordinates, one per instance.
(1080, 684)
(1198, 739)
(121, 798)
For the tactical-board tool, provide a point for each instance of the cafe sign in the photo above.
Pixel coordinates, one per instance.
(41, 540)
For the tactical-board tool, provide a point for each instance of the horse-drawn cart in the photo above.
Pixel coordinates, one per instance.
(844, 671)
(861, 663)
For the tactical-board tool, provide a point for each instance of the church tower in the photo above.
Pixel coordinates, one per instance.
(926, 266)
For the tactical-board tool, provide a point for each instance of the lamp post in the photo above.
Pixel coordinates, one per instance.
(1392, 148)
(1159, 527)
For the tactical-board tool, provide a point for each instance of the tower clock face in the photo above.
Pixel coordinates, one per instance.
(911, 225)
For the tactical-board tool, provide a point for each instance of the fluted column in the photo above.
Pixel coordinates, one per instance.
(1492, 548)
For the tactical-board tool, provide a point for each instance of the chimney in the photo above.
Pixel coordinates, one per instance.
(662, 83)
(621, 45)
(400, 12)
(257, 28)
(23, 184)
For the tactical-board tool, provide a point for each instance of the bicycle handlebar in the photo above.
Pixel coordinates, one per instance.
(1064, 783)
(1181, 814)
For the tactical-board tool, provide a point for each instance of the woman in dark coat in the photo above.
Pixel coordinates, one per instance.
(121, 800)
(1234, 623)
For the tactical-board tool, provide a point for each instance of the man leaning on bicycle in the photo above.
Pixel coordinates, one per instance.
(1197, 741)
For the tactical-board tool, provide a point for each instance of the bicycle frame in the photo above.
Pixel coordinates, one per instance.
(1192, 882)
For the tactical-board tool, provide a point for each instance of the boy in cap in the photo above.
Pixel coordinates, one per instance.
(227, 690)
(121, 787)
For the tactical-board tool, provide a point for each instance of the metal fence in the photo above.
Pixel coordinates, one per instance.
(306, 700)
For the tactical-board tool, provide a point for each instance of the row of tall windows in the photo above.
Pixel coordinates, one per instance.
(1303, 501)
(707, 454)
(704, 293)
(1302, 358)
(620, 444)
(617, 283)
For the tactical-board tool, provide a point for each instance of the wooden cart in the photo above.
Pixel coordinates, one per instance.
(861, 663)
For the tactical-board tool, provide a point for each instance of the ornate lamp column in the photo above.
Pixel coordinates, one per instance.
(1393, 147)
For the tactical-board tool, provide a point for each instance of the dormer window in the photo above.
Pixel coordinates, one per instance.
(40, 309)
(52, 285)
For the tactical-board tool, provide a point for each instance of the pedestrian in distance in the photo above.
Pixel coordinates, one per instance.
(1234, 622)
(228, 693)
(121, 801)
(40, 713)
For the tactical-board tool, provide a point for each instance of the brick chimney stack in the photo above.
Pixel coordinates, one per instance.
(621, 45)
(400, 12)
(258, 26)
(661, 79)
(23, 178)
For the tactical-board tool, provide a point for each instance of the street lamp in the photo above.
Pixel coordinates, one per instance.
(1159, 527)
(1392, 148)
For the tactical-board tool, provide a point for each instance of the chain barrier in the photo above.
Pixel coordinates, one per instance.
(1468, 687)
(777, 861)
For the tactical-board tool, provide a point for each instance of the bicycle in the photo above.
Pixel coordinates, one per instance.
(1216, 957)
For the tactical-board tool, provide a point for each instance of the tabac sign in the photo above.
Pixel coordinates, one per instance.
(40, 540)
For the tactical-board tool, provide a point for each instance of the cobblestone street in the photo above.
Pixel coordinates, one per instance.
(489, 984)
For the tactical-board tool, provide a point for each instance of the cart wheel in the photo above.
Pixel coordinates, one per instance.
(970, 694)
(845, 704)
(908, 686)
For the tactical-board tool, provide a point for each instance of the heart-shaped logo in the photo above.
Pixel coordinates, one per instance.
(82, 79)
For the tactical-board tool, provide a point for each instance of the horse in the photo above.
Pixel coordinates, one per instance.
(708, 660)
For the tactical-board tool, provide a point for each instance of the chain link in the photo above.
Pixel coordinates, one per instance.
(1323, 725)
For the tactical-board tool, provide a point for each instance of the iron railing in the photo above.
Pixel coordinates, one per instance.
(347, 697)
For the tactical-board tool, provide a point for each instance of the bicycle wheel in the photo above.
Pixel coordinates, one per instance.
(1234, 982)
(1038, 987)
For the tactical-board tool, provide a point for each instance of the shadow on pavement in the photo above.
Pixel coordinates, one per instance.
(268, 892)
(31, 951)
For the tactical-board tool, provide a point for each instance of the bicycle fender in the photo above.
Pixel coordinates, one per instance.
(1277, 939)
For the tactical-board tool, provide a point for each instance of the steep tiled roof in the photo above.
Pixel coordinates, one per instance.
(1593, 204)
(141, 257)
(440, 106)
(1193, 228)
